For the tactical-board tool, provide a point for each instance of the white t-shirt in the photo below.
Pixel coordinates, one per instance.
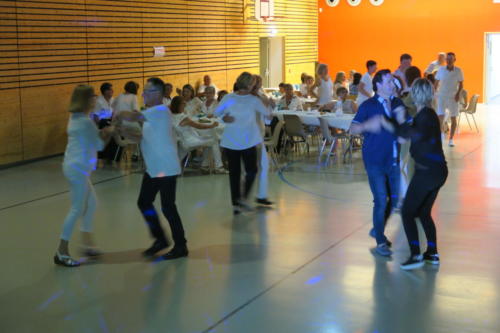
(368, 87)
(209, 110)
(325, 91)
(399, 73)
(193, 107)
(433, 67)
(158, 144)
(125, 102)
(448, 81)
(304, 90)
(295, 104)
(103, 109)
(244, 132)
(83, 144)
(202, 88)
(167, 101)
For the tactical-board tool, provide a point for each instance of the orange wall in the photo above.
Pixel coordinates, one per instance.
(348, 36)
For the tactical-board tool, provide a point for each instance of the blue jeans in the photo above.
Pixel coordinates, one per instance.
(384, 183)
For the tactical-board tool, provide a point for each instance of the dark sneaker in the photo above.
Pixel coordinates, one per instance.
(373, 235)
(264, 202)
(413, 262)
(383, 250)
(176, 253)
(431, 258)
(155, 248)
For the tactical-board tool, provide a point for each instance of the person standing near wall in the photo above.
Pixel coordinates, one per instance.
(434, 66)
(404, 63)
(365, 89)
(323, 85)
(449, 85)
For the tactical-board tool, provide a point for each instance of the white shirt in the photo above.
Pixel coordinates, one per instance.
(193, 107)
(83, 143)
(368, 87)
(325, 91)
(338, 85)
(167, 101)
(295, 104)
(158, 144)
(433, 67)
(125, 102)
(209, 110)
(202, 88)
(244, 132)
(399, 73)
(304, 90)
(188, 136)
(448, 81)
(103, 109)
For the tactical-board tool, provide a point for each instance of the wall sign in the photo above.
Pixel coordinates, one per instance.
(159, 51)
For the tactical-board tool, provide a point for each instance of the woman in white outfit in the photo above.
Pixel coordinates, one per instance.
(80, 157)
(210, 103)
(193, 104)
(324, 85)
(189, 138)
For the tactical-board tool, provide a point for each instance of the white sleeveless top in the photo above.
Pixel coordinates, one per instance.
(325, 91)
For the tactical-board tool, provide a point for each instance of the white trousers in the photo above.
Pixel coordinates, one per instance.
(263, 175)
(83, 202)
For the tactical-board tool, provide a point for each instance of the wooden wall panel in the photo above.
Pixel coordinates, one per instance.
(11, 149)
(49, 46)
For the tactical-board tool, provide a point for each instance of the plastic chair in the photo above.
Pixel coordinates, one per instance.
(470, 110)
(294, 129)
(272, 143)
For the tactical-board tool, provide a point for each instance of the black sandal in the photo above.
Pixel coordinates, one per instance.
(66, 261)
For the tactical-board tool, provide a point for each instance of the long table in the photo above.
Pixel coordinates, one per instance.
(311, 118)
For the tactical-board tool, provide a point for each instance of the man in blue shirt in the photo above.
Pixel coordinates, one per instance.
(381, 152)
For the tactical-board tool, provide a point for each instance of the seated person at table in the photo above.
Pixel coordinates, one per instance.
(193, 104)
(127, 101)
(189, 138)
(207, 82)
(221, 95)
(307, 86)
(167, 98)
(290, 101)
(353, 87)
(348, 106)
(210, 103)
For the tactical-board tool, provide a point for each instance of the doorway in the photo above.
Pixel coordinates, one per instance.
(272, 55)
(492, 68)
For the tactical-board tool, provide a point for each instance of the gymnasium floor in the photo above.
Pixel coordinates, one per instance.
(304, 266)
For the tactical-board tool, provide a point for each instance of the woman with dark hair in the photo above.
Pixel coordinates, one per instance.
(127, 101)
(189, 138)
(353, 87)
(221, 95)
(80, 157)
(193, 104)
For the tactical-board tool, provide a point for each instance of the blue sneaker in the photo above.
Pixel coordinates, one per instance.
(383, 250)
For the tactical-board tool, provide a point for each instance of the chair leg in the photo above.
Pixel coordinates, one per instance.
(332, 147)
(117, 151)
(475, 124)
(468, 122)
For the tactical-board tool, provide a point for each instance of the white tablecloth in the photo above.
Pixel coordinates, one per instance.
(312, 118)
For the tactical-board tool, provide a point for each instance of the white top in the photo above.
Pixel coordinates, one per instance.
(202, 88)
(347, 106)
(187, 135)
(158, 143)
(125, 102)
(167, 101)
(193, 107)
(304, 89)
(337, 86)
(209, 110)
(368, 87)
(244, 132)
(448, 81)
(83, 143)
(399, 73)
(433, 67)
(103, 109)
(295, 104)
(325, 91)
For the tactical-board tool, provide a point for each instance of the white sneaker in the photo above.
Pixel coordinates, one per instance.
(451, 144)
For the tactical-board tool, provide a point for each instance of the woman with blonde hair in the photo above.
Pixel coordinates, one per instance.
(323, 85)
(241, 136)
(340, 82)
(430, 174)
(80, 157)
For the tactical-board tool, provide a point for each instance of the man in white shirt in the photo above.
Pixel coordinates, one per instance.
(404, 63)
(167, 98)
(449, 85)
(365, 89)
(103, 108)
(434, 66)
(207, 82)
(159, 149)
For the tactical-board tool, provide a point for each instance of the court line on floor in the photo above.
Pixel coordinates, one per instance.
(275, 284)
(62, 192)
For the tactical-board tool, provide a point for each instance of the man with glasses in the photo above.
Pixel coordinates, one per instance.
(381, 153)
(159, 150)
